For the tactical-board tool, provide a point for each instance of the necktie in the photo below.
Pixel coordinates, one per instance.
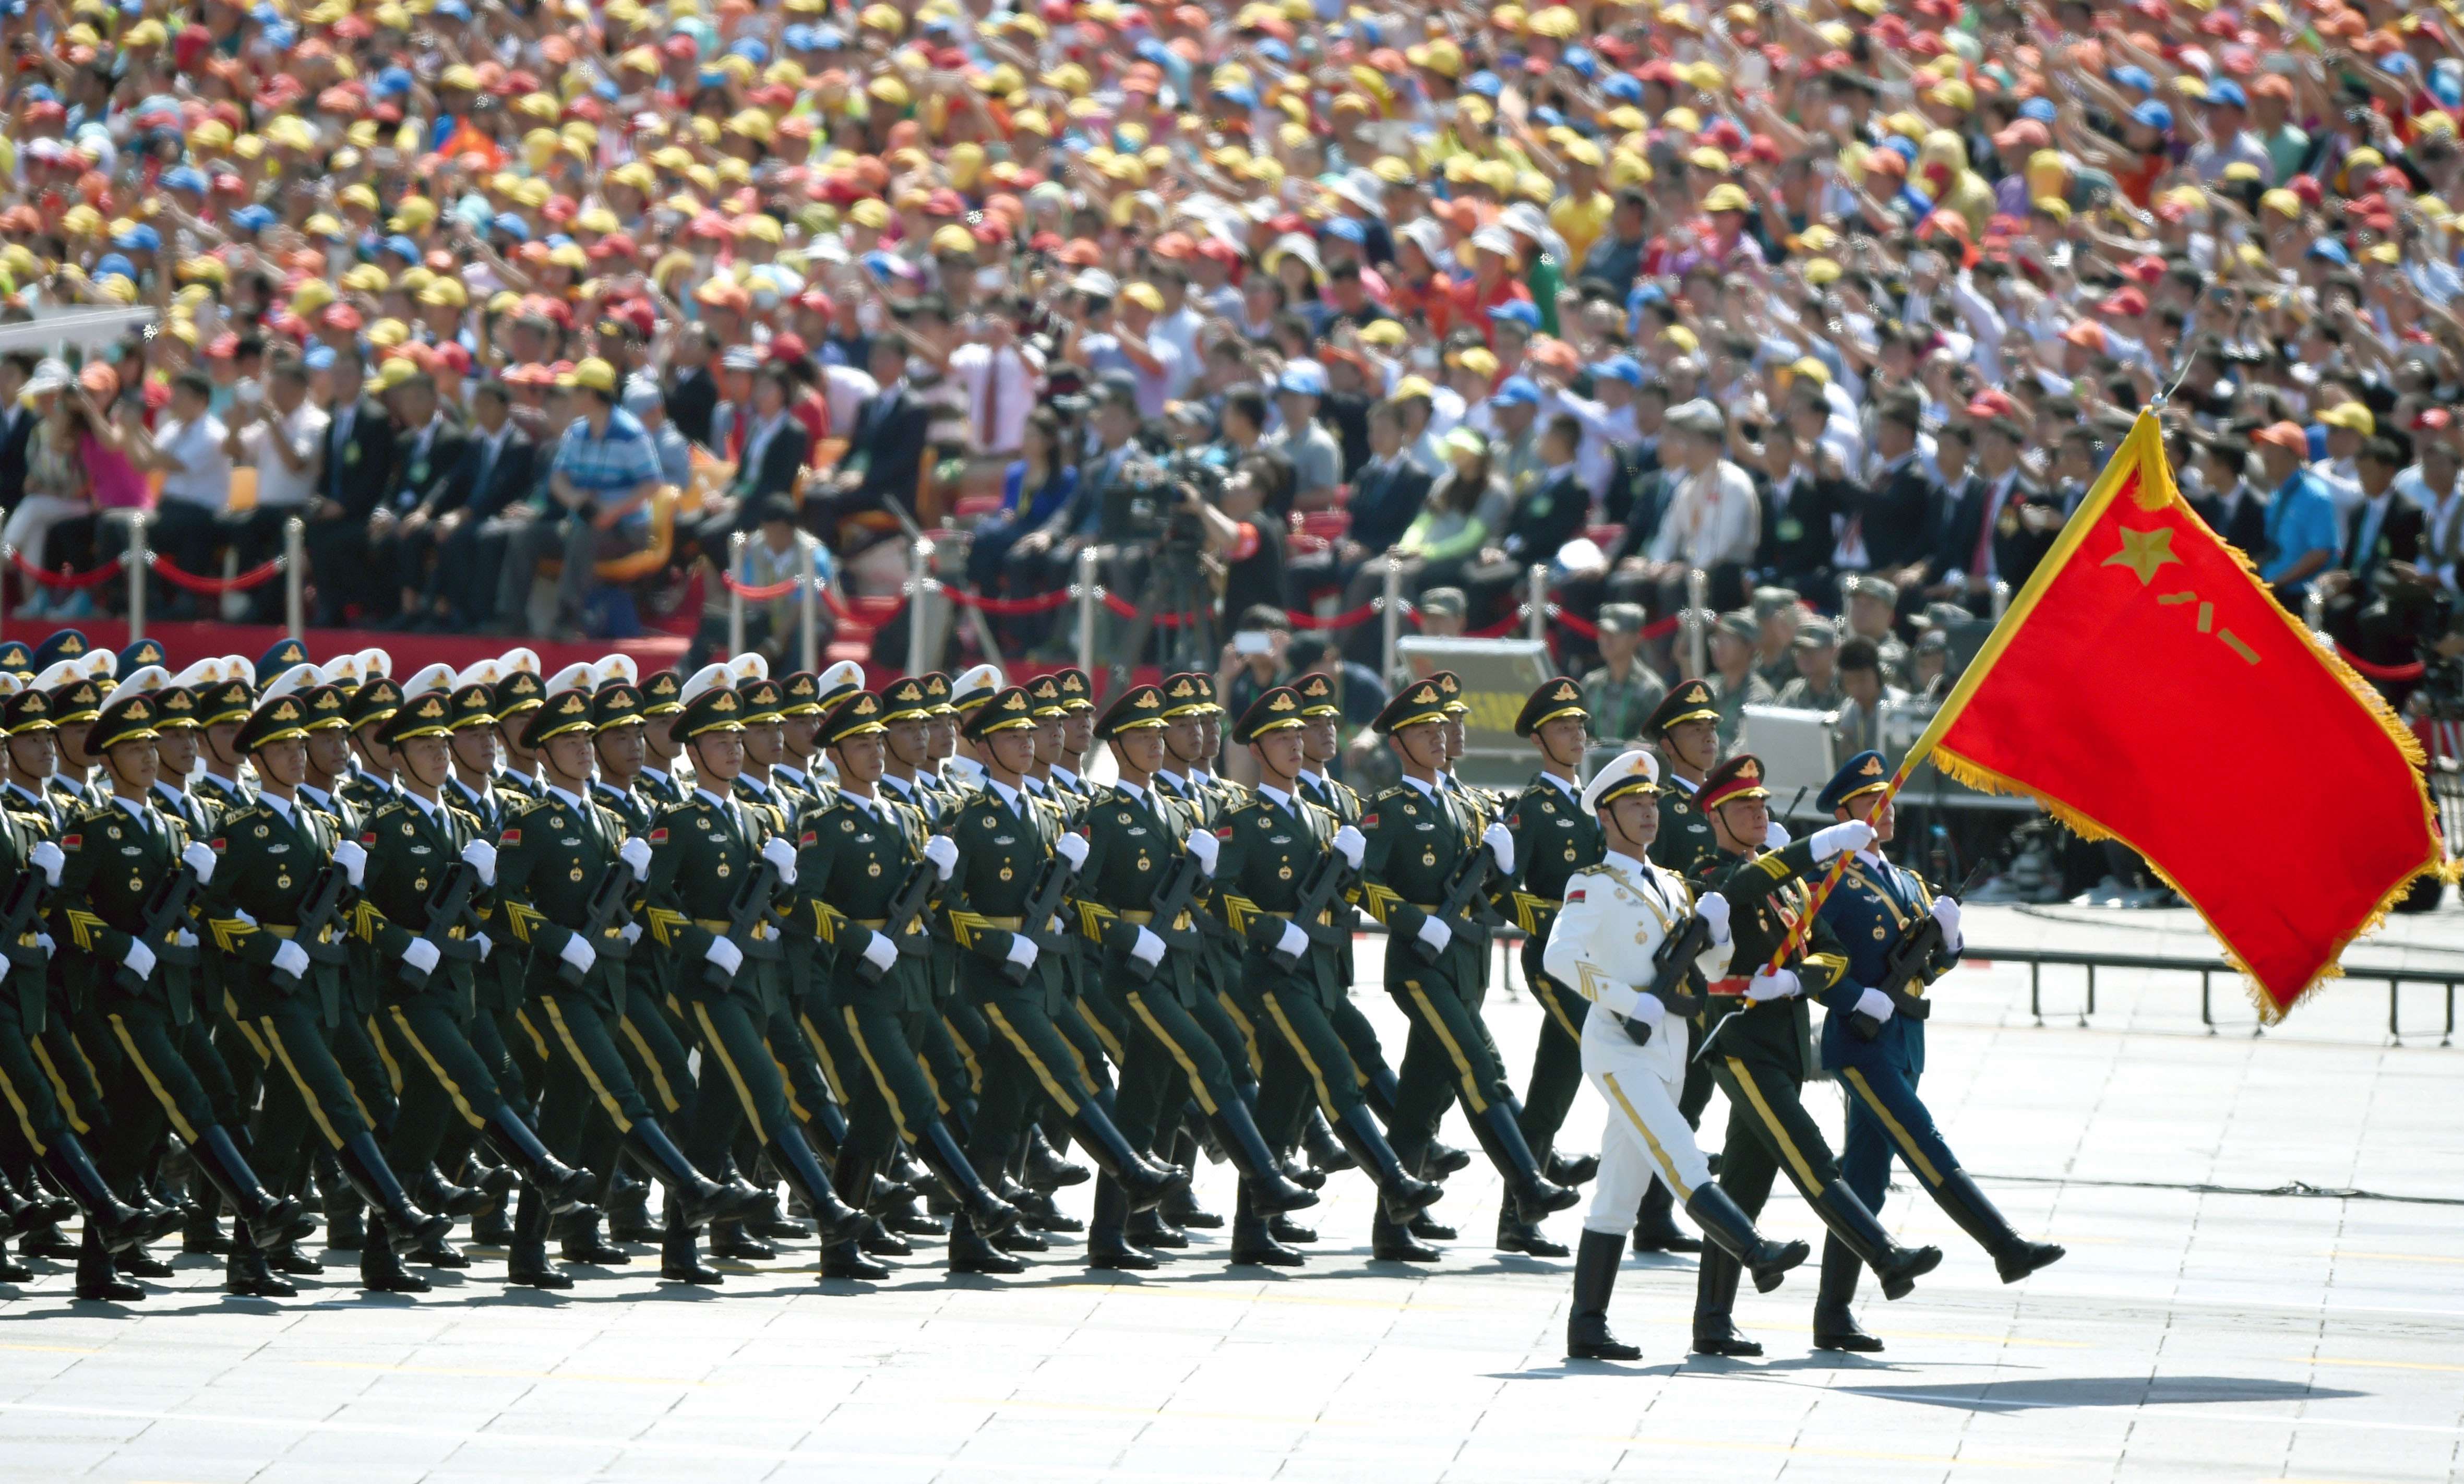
(1981, 566)
(992, 404)
(486, 466)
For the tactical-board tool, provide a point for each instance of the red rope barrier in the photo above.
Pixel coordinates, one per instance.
(253, 577)
(1044, 603)
(1127, 610)
(90, 578)
(1350, 618)
(2411, 671)
(1582, 628)
(1502, 628)
(761, 594)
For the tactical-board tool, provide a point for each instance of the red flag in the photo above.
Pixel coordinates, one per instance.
(2147, 687)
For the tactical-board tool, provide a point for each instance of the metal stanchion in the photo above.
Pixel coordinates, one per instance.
(1538, 627)
(138, 568)
(735, 599)
(2001, 598)
(1394, 616)
(808, 604)
(294, 577)
(1697, 599)
(1088, 600)
(2314, 609)
(919, 593)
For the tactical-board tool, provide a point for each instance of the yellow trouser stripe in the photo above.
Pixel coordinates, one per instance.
(658, 1073)
(384, 1054)
(1300, 1049)
(538, 1042)
(24, 1119)
(822, 1054)
(1188, 1068)
(1908, 1146)
(436, 1070)
(941, 1103)
(1473, 1101)
(162, 1093)
(1104, 1037)
(1558, 1011)
(248, 1032)
(589, 1073)
(316, 1109)
(1248, 1033)
(719, 1049)
(60, 1086)
(796, 1108)
(1051, 1084)
(897, 1116)
(1667, 1166)
(1778, 1131)
(967, 1055)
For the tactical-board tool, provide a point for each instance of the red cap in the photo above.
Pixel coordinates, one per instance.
(341, 316)
(788, 347)
(2130, 304)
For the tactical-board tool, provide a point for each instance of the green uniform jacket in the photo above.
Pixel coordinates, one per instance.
(649, 972)
(700, 852)
(1767, 893)
(1133, 846)
(851, 862)
(410, 849)
(1415, 839)
(22, 993)
(1268, 855)
(113, 864)
(1685, 842)
(1000, 855)
(550, 860)
(1553, 839)
(269, 863)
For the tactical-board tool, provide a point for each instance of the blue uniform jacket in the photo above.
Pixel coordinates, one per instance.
(1869, 913)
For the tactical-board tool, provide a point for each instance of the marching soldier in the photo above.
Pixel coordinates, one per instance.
(1008, 847)
(717, 874)
(374, 697)
(1616, 917)
(1553, 839)
(910, 714)
(1761, 1046)
(282, 859)
(225, 781)
(1421, 837)
(863, 856)
(1878, 1052)
(1095, 1022)
(662, 703)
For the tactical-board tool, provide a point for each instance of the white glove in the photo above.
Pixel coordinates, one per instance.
(422, 955)
(1946, 911)
(140, 959)
(779, 853)
(1294, 943)
(1852, 834)
(482, 858)
(578, 952)
(200, 858)
(49, 947)
(1203, 844)
(726, 955)
(292, 960)
(46, 858)
(635, 854)
(241, 913)
(1436, 933)
(943, 853)
(1772, 984)
(183, 937)
(1071, 848)
(1022, 950)
(1875, 1002)
(353, 857)
(1501, 843)
(1353, 845)
(1148, 949)
(631, 933)
(1647, 1008)
(880, 952)
(1774, 835)
(487, 947)
(1714, 909)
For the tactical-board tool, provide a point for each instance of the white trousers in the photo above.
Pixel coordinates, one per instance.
(30, 524)
(1646, 1136)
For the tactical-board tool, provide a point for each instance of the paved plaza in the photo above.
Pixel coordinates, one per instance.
(2200, 1329)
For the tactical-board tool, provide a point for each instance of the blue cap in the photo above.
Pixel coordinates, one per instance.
(1347, 229)
(137, 656)
(2040, 109)
(1644, 295)
(829, 38)
(2227, 92)
(402, 247)
(1624, 86)
(1580, 60)
(1484, 83)
(799, 39)
(1274, 50)
(1862, 774)
(61, 643)
(1517, 392)
(1546, 117)
(752, 50)
(318, 356)
(1521, 311)
(1618, 369)
(512, 226)
(2154, 115)
(113, 265)
(1303, 378)
(392, 82)
(2135, 79)
(1238, 95)
(285, 653)
(186, 177)
(2329, 250)
(453, 10)
(139, 238)
(251, 219)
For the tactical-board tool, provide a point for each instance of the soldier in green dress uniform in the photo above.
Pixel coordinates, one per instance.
(859, 854)
(661, 746)
(286, 996)
(1761, 1047)
(704, 851)
(909, 715)
(1096, 1023)
(1418, 831)
(1553, 839)
(1007, 843)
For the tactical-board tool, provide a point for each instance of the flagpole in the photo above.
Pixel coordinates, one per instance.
(2109, 485)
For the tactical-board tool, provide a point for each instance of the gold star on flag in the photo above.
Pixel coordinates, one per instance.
(2143, 552)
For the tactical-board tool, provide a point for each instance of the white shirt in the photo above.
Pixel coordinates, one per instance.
(1712, 519)
(846, 391)
(303, 429)
(204, 475)
(1020, 369)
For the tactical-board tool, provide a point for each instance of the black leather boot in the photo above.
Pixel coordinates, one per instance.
(834, 1220)
(1327, 1154)
(48, 1241)
(1109, 1247)
(1400, 1196)
(1253, 1244)
(117, 1225)
(363, 1167)
(1392, 1241)
(851, 1173)
(628, 1212)
(270, 1217)
(1588, 1336)
(1576, 1170)
(1180, 1208)
(1149, 1229)
(442, 1195)
(1715, 1298)
(201, 1232)
(345, 1213)
(1047, 1169)
(680, 1256)
(1145, 1185)
(1263, 1185)
(1834, 1328)
(1515, 1234)
(518, 1144)
(1501, 1138)
(1283, 1228)
(381, 1270)
(247, 1274)
(2014, 1256)
(580, 1241)
(139, 1263)
(1733, 1232)
(1655, 1229)
(1898, 1267)
(526, 1263)
(698, 1199)
(970, 1252)
(98, 1281)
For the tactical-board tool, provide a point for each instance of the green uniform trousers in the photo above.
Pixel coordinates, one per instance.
(1557, 1061)
(1769, 1131)
(1027, 1061)
(873, 1041)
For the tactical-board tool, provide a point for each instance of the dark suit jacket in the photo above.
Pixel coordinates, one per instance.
(2399, 539)
(2246, 529)
(1386, 501)
(1896, 512)
(890, 432)
(15, 432)
(782, 460)
(1795, 541)
(509, 480)
(418, 477)
(1544, 519)
(359, 474)
(2016, 549)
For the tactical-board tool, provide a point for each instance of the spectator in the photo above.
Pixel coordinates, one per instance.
(402, 534)
(2303, 538)
(1253, 659)
(1623, 692)
(355, 469)
(1711, 521)
(1386, 494)
(1316, 458)
(55, 482)
(649, 407)
(187, 450)
(1462, 509)
(601, 478)
(17, 420)
(280, 433)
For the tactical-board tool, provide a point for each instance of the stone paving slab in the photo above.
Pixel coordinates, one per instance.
(2197, 1331)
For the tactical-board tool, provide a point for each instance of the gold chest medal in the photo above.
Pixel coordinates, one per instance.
(873, 868)
(576, 872)
(1006, 872)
